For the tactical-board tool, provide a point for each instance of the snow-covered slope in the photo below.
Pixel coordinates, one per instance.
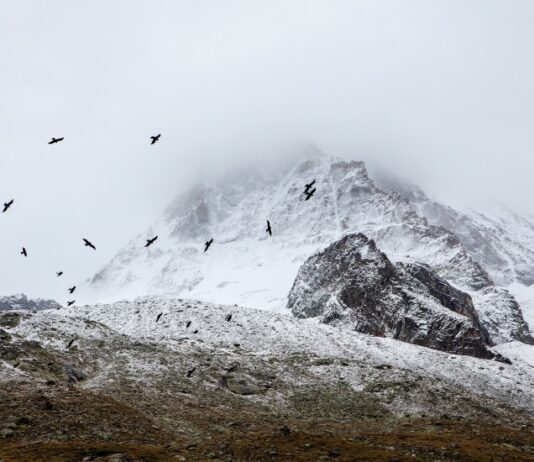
(189, 325)
(247, 267)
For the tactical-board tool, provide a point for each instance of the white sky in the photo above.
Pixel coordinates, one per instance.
(440, 92)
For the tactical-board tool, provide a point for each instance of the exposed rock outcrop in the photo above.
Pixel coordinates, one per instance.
(353, 282)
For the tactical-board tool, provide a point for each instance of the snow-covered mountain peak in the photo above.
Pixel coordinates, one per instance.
(248, 267)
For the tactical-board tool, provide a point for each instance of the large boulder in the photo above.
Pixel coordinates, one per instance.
(352, 282)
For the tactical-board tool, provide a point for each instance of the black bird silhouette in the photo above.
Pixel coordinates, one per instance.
(24, 252)
(150, 241)
(155, 138)
(228, 317)
(232, 368)
(310, 194)
(55, 140)
(72, 289)
(190, 372)
(59, 273)
(308, 186)
(88, 244)
(269, 230)
(72, 302)
(159, 316)
(208, 243)
(70, 343)
(187, 324)
(7, 205)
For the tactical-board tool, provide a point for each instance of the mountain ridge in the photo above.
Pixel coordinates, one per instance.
(246, 267)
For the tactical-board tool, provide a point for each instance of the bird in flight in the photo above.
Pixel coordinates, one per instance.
(190, 372)
(72, 289)
(187, 324)
(59, 273)
(159, 316)
(228, 317)
(149, 242)
(208, 243)
(72, 302)
(308, 187)
(55, 140)
(310, 194)
(88, 244)
(7, 205)
(269, 230)
(155, 138)
(24, 252)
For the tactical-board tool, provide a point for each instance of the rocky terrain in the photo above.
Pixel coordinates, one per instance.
(22, 302)
(352, 282)
(217, 382)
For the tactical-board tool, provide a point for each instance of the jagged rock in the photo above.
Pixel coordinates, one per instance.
(448, 296)
(353, 282)
(22, 302)
(501, 315)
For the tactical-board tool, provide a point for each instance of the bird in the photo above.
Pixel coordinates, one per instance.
(72, 289)
(310, 194)
(190, 372)
(88, 244)
(55, 140)
(269, 230)
(232, 368)
(70, 343)
(59, 273)
(207, 244)
(72, 302)
(187, 324)
(24, 252)
(159, 316)
(150, 241)
(155, 138)
(228, 317)
(308, 186)
(7, 205)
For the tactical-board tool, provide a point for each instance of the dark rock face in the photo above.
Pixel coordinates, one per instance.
(352, 282)
(448, 296)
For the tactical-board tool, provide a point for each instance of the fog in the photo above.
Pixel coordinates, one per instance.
(438, 92)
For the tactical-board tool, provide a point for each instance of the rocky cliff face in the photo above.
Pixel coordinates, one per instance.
(21, 302)
(353, 282)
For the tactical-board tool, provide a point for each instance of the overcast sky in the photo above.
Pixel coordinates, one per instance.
(439, 92)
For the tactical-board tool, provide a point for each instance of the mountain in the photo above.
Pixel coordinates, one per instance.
(22, 302)
(247, 267)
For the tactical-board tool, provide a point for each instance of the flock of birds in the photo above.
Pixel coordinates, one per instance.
(308, 193)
